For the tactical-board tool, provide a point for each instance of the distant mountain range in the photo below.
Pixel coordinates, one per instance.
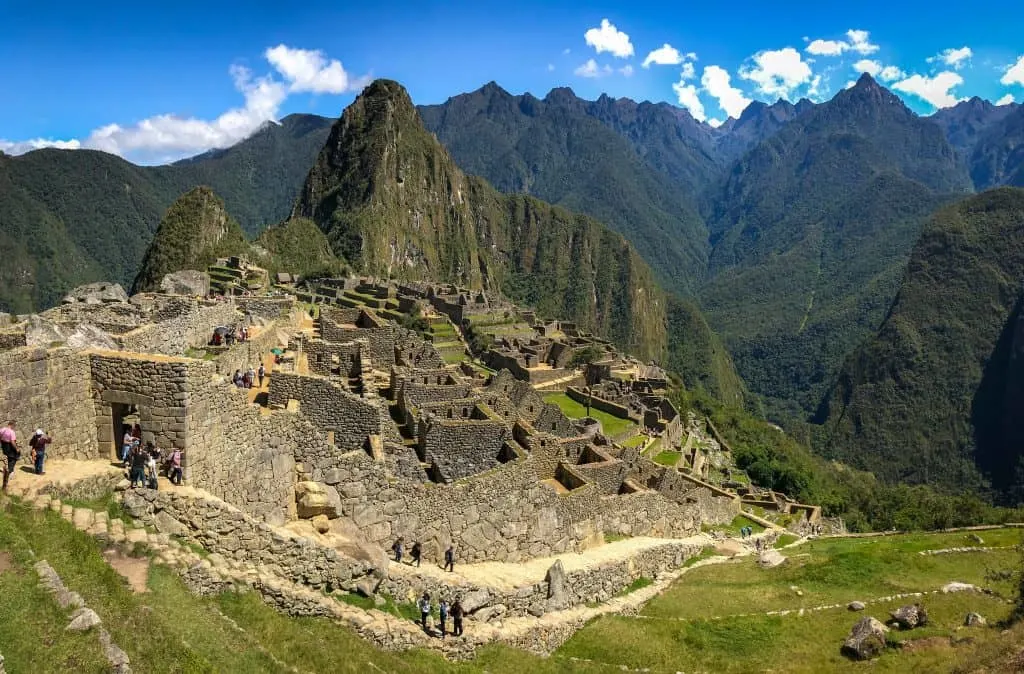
(790, 228)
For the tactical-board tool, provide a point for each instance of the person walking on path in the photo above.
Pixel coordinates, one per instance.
(261, 373)
(416, 552)
(174, 474)
(457, 613)
(449, 559)
(38, 444)
(9, 445)
(250, 374)
(398, 548)
(442, 616)
(424, 606)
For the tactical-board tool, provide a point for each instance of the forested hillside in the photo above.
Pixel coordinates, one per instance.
(935, 396)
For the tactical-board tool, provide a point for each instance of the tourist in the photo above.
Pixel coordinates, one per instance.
(449, 559)
(126, 446)
(139, 458)
(9, 444)
(261, 373)
(174, 475)
(152, 463)
(38, 444)
(398, 548)
(137, 433)
(442, 616)
(237, 379)
(250, 374)
(424, 606)
(416, 552)
(246, 380)
(456, 613)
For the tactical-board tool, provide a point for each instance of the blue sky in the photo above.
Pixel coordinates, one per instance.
(157, 81)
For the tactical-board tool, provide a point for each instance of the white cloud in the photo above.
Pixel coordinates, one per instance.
(665, 55)
(626, 70)
(688, 98)
(955, 58)
(1014, 73)
(827, 47)
(715, 123)
(716, 82)
(566, 50)
(688, 72)
(166, 137)
(934, 90)
(778, 72)
(850, 84)
(857, 41)
(860, 43)
(308, 70)
(551, 67)
(608, 38)
(1005, 100)
(876, 69)
(591, 69)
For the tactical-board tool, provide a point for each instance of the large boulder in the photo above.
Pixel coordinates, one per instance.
(103, 292)
(88, 336)
(43, 332)
(957, 586)
(187, 282)
(910, 616)
(770, 558)
(311, 500)
(475, 600)
(974, 620)
(866, 640)
(555, 577)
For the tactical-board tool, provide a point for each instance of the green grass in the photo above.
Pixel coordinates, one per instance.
(452, 358)
(613, 426)
(640, 583)
(733, 528)
(612, 538)
(635, 441)
(785, 539)
(667, 458)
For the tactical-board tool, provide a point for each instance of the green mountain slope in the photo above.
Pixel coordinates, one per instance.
(194, 232)
(998, 156)
(296, 246)
(586, 156)
(911, 403)
(392, 202)
(810, 231)
(76, 216)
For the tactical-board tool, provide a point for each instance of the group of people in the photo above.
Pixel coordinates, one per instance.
(228, 336)
(39, 443)
(444, 611)
(416, 554)
(746, 532)
(250, 377)
(145, 462)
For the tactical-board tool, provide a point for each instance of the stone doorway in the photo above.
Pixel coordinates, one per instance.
(122, 416)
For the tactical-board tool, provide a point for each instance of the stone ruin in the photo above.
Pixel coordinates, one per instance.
(363, 436)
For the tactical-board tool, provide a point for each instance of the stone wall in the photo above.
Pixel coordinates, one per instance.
(606, 406)
(189, 325)
(12, 339)
(460, 448)
(224, 529)
(266, 307)
(49, 389)
(330, 408)
(239, 454)
(327, 358)
(243, 355)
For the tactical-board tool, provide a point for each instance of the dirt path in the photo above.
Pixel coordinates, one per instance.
(133, 569)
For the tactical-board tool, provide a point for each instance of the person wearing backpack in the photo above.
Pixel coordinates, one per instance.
(174, 474)
(38, 444)
(442, 616)
(424, 605)
(9, 445)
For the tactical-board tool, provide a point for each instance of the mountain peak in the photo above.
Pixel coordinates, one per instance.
(560, 95)
(867, 82)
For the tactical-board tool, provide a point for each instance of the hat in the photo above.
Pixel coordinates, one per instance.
(39, 431)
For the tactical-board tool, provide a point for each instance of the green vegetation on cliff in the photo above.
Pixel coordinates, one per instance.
(810, 232)
(299, 247)
(912, 403)
(393, 203)
(195, 231)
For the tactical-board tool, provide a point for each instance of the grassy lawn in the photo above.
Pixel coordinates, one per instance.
(635, 441)
(612, 426)
(668, 458)
(738, 522)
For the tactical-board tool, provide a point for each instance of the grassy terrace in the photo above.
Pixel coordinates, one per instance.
(167, 629)
(612, 425)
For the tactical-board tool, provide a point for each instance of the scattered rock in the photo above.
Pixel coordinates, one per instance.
(311, 500)
(770, 558)
(186, 282)
(123, 485)
(957, 586)
(321, 524)
(909, 617)
(367, 587)
(490, 613)
(475, 600)
(103, 292)
(83, 619)
(855, 606)
(88, 336)
(866, 640)
(975, 620)
(976, 539)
